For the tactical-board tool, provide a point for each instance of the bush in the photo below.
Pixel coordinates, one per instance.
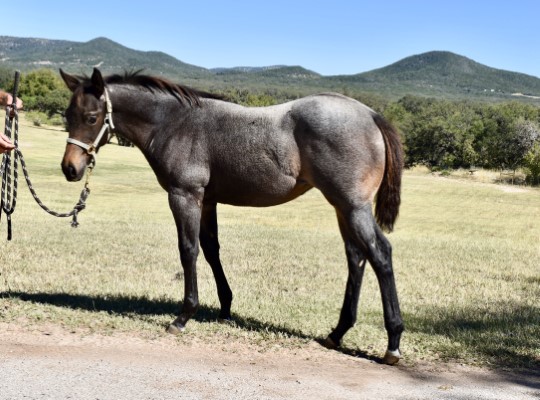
(43, 90)
(39, 118)
(532, 164)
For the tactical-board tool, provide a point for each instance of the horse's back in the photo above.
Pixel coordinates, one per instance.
(334, 114)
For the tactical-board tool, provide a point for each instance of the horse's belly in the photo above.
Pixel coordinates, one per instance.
(263, 194)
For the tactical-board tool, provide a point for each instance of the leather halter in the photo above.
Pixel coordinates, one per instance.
(108, 126)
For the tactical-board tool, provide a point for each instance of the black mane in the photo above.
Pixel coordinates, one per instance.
(184, 94)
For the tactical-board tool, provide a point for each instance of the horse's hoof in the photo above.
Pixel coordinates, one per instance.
(226, 321)
(329, 343)
(391, 357)
(174, 329)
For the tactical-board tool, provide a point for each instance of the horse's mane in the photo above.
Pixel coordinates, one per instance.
(184, 94)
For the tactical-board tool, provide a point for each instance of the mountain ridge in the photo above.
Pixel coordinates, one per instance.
(435, 73)
(446, 64)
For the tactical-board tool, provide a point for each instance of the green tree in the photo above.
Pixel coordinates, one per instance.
(510, 134)
(55, 102)
(531, 162)
(446, 134)
(6, 79)
(43, 90)
(437, 133)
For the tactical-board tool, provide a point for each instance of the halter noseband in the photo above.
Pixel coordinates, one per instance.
(107, 127)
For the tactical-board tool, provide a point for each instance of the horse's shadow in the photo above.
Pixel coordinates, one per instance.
(142, 306)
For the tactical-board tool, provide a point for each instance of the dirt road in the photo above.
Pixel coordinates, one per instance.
(52, 363)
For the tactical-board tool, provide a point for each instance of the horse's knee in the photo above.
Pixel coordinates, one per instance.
(189, 254)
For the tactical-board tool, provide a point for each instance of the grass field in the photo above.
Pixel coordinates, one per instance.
(466, 257)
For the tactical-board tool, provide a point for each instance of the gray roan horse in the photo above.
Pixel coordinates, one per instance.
(205, 151)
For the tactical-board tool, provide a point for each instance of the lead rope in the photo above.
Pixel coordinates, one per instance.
(8, 196)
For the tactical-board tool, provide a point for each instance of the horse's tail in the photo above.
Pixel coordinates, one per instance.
(389, 193)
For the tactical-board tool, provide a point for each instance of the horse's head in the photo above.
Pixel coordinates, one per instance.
(86, 119)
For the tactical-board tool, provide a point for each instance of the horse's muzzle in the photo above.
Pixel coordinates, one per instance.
(74, 163)
(71, 173)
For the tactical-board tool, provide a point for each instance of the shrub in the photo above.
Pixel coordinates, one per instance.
(532, 164)
(43, 90)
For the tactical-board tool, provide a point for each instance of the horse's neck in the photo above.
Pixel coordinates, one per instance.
(132, 114)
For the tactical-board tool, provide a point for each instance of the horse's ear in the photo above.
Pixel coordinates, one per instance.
(71, 81)
(97, 82)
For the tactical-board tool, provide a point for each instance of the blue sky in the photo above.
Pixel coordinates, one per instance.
(329, 37)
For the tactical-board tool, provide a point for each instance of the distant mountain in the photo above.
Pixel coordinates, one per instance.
(244, 69)
(76, 57)
(268, 77)
(274, 70)
(442, 72)
(438, 73)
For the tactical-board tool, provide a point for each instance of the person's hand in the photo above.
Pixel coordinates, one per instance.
(18, 104)
(5, 144)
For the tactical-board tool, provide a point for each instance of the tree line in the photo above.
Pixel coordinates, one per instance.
(440, 134)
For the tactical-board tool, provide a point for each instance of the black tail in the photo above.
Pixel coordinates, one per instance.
(389, 194)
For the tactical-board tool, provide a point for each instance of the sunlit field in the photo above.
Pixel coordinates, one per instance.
(466, 259)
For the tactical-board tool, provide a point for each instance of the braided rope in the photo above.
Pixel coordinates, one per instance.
(9, 193)
(8, 197)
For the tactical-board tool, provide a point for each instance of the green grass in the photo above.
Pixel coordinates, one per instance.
(465, 255)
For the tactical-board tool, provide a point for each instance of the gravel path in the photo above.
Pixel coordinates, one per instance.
(51, 363)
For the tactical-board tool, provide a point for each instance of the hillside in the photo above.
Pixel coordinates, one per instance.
(443, 74)
(29, 53)
(438, 73)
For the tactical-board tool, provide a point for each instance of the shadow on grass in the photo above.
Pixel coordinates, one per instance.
(507, 334)
(143, 306)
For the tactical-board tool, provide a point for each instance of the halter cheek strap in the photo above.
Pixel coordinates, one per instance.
(108, 126)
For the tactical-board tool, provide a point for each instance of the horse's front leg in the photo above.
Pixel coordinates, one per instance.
(186, 208)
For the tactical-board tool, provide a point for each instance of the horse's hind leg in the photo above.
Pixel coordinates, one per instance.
(356, 262)
(367, 235)
(210, 245)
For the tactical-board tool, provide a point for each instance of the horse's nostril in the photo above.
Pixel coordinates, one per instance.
(70, 172)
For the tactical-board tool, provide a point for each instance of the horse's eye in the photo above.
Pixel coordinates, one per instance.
(92, 119)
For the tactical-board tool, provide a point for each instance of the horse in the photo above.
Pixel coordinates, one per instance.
(205, 150)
